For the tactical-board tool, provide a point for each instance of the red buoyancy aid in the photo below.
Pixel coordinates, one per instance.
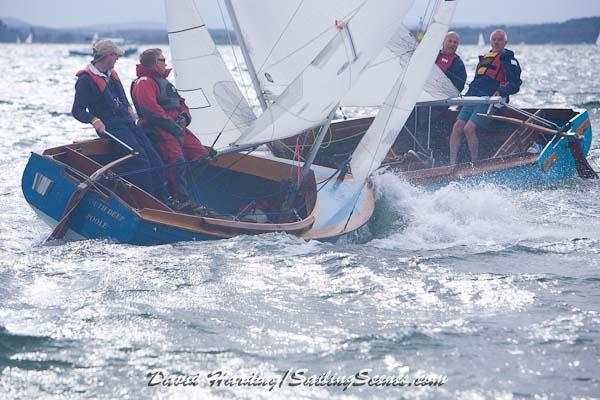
(490, 64)
(444, 61)
(98, 80)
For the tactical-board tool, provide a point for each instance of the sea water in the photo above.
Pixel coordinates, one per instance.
(466, 292)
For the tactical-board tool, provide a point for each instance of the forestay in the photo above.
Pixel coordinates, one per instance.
(202, 78)
(401, 99)
(344, 36)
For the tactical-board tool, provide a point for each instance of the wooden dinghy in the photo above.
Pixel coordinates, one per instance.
(511, 153)
(116, 209)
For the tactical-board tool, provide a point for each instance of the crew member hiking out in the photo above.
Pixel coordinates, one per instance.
(498, 73)
(165, 117)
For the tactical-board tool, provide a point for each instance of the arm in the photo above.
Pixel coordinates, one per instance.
(83, 95)
(185, 111)
(513, 76)
(84, 92)
(145, 92)
(459, 74)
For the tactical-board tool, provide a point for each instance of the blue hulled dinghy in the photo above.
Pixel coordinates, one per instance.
(521, 147)
(80, 190)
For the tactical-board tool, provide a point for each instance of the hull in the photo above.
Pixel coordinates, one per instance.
(117, 210)
(506, 161)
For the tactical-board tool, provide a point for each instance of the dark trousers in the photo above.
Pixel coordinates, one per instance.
(152, 181)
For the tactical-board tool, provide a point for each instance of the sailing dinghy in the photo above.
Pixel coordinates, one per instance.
(79, 189)
(522, 148)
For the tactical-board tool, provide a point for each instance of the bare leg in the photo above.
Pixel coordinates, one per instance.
(456, 139)
(472, 140)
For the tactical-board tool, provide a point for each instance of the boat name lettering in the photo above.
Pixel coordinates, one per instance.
(96, 221)
(108, 211)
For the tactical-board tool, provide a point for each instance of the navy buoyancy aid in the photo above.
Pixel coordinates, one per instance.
(116, 104)
(490, 64)
(168, 97)
(445, 61)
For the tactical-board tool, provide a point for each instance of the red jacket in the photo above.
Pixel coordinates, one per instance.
(145, 93)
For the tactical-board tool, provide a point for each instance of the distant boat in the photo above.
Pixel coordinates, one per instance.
(480, 40)
(18, 40)
(82, 53)
(598, 40)
(29, 38)
(118, 41)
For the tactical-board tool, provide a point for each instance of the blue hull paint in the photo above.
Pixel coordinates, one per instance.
(555, 163)
(106, 216)
(95, 217)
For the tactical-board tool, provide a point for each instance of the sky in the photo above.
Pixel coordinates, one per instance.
(75, 13)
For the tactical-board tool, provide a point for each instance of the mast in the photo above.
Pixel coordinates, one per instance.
(249, 64)
(317, 144)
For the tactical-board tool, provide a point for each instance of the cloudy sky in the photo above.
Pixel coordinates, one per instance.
(71, 13)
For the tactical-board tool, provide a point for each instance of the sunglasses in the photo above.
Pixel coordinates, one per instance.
(161, 59)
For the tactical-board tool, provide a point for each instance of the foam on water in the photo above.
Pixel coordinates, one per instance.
(483, 216)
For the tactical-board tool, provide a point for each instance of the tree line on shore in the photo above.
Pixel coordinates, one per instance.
(575, 31)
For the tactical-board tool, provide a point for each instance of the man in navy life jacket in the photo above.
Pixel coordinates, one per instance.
(165, 116)
(100, 100)
(450, 63)
(498, 73)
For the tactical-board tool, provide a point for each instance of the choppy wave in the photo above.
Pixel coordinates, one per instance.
(495, 288)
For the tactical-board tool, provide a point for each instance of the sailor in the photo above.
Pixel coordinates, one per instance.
(165, 116)
(100, 100)
(450, 63)
(499, 74)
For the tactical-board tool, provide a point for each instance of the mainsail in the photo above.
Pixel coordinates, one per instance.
(401, 99)
(327, 45)
(278, 66)
(216, 103)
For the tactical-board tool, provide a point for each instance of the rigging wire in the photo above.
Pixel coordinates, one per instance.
(237, 64)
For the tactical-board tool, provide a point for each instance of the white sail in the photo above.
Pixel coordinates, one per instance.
(401, 99)
(349, 33)
(598, 40)
(29, 38)
(18, 40)
(374, 85)
(480, 40)
(202, 78)
(279, 67)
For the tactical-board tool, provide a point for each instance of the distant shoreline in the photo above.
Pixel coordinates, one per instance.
(574, 31)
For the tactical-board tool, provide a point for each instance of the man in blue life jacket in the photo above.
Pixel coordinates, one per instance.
(498, 74)
(100, 100)
(450, 63)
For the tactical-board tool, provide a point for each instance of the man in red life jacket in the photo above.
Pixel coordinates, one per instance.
(101, 101)
(498, 74)
(450, 63)
(165, 117)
